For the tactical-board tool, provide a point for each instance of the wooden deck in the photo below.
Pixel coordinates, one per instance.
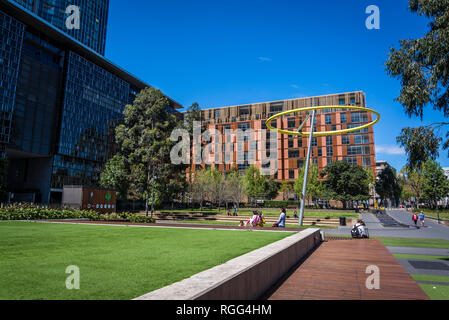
(337, 271)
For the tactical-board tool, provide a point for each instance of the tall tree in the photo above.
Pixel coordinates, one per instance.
(436, 185)
(254, 183)
(286, 188)
(345, 182)
(235, 187)
(315, 187)
(271, 188)
(144, 139)
(388, 186)
(421, 66)
(116, 175)
(413, 183)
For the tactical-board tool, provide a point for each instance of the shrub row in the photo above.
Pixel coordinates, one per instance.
(41, 213)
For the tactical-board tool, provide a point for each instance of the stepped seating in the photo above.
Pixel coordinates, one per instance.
(173, 216)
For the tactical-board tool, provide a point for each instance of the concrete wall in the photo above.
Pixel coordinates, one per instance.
(246, 277)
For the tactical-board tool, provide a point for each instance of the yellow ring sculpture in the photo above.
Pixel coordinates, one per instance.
(326, 133)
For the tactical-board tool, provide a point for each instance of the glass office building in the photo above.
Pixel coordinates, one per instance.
(60, 103)
(93, 18)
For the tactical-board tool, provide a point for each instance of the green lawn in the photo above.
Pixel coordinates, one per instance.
(417, 243)
(273, 212)
(115, 262)
(420, 257)
(436, 291)
(422, 277)
(229, 223)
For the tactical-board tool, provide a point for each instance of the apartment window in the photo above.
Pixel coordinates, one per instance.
(329, 151)
(352, 100)
(313, 153)
(315, 161)
(300, 163)
(342, 101)
(291, 174)
(291, 123)
(290, 143)
(343, 118)
(345, 140)
(293, 153)
(299, 142)
(366, 161)
(217, 114)
(320, 152)
(276, 107)
(329, 140)
(314, 142)
(361, 139)
(350, 126)
(244, 111)
(359, 117)
(244, 126)
(328, 119)
(358, 150)
(329, 160)
(264, 125)
(350, 160)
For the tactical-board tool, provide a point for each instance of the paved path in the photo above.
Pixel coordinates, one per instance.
(337, 271)
(433, 230)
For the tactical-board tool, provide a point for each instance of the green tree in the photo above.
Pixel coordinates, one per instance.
(388, 186)
(144, 140)
(421, 66)
(235, 187)
(436, 185)
(345, 182)
(285, 188)
(116, 175)
(315, 187)
(413, 183)
(271, 188)
(254, 183)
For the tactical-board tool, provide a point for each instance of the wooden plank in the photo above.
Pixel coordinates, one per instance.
(337, 271)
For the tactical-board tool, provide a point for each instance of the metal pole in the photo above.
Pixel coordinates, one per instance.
(152, 191)
(306, 172)
(436, 197)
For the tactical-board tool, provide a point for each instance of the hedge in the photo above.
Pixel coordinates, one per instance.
(27, 212)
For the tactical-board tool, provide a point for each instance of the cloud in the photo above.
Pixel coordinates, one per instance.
(264, 59)
(294, 86)
(391, 150)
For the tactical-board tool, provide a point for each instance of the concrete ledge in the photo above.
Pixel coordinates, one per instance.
(244, 278)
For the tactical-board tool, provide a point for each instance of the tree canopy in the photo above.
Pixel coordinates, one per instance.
(345, 182)
(423, 69)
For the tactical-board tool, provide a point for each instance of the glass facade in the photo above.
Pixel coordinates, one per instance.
(38, 95)
(93, 104)
(93, 19)
(11, 39)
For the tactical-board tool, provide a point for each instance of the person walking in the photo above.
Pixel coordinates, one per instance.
(415, 219)
(422, 217)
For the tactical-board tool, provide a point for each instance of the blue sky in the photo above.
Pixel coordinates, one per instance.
(221, 53)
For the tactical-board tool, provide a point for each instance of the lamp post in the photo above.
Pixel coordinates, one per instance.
(152, 191)
(436, 197)
(306, 172)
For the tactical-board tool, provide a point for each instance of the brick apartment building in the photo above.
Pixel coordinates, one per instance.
(355, 148)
